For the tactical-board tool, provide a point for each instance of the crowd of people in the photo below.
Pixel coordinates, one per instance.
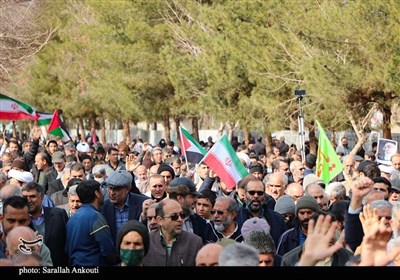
(136, 204)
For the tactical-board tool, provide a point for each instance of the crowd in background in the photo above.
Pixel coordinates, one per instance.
(129, 204)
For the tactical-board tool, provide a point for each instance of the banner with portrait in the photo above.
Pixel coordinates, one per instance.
(385, 149)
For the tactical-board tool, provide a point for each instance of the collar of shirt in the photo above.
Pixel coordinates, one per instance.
(39, 220)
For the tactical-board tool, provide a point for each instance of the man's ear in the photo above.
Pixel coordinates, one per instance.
(7, 253)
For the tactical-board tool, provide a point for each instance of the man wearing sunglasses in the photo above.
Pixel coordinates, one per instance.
(171, 245)
(225, 213)
(183, 190)
(255, 206)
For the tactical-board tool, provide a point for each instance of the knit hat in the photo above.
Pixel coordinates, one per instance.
(256, 168)
(311, 179)
(308, 202)
(285, 205)
(134, 225)
(254, 224)
(166, 167)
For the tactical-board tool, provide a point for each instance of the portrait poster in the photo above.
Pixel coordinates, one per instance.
(385, 149)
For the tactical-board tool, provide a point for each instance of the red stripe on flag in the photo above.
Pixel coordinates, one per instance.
(214, 163)
(16, 116)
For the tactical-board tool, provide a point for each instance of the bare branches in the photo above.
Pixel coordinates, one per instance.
(21, 36)
(178, 15)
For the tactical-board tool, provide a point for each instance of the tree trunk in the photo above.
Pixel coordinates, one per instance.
(246, 136)
(387, 114)
(167, 128)
(93, 129)
(312, 138)
(103, 131)
(268, 142)
(82, 130)
(221, 130)
(14, 129)
(126, 131)
(195, 128)
(178, 137)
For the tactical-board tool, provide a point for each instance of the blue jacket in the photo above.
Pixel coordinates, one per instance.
(89, 240)
(273, 218)
(135, 202)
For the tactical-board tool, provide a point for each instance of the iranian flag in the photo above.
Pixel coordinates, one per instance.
(55, 128)
(222, 159)
(13, 110)
(328, 162)
(190, 148)
(43, 118)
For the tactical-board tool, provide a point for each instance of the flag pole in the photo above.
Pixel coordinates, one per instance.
(182, 147)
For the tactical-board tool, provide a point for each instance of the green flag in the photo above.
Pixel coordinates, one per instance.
(328, 162)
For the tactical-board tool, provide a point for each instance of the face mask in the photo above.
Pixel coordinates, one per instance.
(131, 257)
(100, 180)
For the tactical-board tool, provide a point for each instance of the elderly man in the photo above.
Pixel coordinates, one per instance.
(172, 246)
(122, 204)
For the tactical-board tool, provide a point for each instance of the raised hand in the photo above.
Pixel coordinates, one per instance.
(130, 163)
(373, 246)
(318, 245)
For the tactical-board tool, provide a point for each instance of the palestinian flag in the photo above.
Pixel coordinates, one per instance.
(14, 110)
(56, 128)
(190, 148)
(222, 159)
(43, 118)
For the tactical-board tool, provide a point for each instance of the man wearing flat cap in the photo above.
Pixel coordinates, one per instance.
(122, 205)
(183, 190)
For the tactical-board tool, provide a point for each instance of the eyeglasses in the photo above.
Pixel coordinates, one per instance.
(158, 186)
(149, 218)
(218, 211)
(174, 217)
(259, 193)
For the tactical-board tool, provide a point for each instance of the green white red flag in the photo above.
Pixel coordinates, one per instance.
(190, 148)
(43, 118)
(56, 128)
(222, 159)
(328, 162)
(12, 109)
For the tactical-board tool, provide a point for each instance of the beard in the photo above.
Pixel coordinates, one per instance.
(223, 225)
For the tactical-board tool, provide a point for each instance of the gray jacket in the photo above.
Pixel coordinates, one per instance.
(183, 251)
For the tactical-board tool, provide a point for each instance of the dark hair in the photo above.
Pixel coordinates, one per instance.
(383, 180)
(33, 186)
(86, 190)
(17, 202)
(52, 141)
(210, 195)
(372, 171)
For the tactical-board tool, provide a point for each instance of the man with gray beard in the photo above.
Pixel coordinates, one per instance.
(225, 213)
(255, 206)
